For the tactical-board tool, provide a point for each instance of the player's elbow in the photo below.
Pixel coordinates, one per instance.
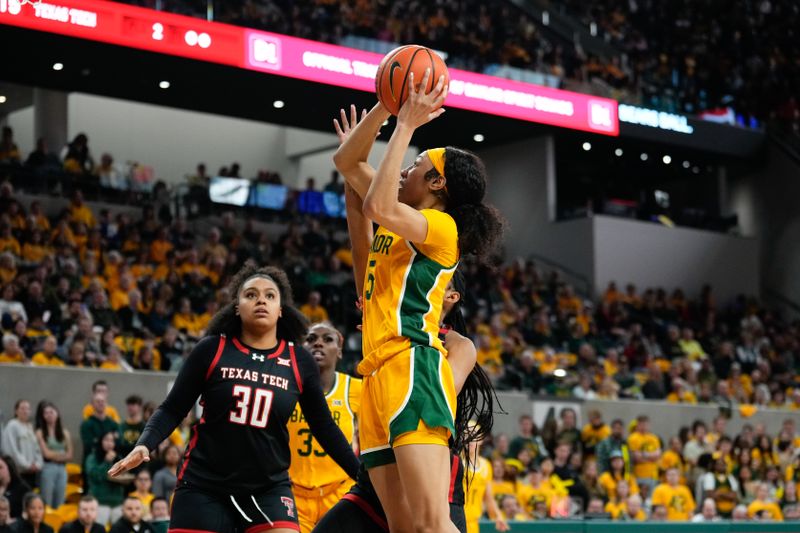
(342, 162)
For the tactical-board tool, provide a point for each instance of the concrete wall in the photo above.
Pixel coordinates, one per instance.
(651, 255)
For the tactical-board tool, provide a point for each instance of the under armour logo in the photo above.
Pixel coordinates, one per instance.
(284, 362)
(257, 357)
(289, 503)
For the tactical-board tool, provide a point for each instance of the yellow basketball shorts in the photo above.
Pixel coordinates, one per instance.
(312, 504)
(410, 399)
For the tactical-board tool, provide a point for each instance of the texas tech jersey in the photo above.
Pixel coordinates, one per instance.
(241, 444)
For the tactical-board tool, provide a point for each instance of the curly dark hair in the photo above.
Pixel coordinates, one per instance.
(292, 325)
(480, 226)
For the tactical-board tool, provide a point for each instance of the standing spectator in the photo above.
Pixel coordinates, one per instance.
(94, 428)
(708, 513)
(165, 479)
(12, 487)
(100, 387)
(677, 498)
(131, 429)
(42, 160)
(109, 493)
(568, 430)
(617, 473)
(79, 212)
(87, 518)
(646, 450)
(110, 175)
(313, 309)
(614, 442)
(132, 518)
(309, 200)
(721, 487)
(335, 186)
(56, 445)
(34, 516)
(593, 433)
(19, 442)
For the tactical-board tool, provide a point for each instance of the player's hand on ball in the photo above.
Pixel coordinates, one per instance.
(138, 455)
(421, 107)
(347, 125)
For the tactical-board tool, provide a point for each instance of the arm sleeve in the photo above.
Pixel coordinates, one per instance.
(187, 388)
(318, 416)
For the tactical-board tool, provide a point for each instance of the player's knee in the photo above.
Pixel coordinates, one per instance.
(431, 519)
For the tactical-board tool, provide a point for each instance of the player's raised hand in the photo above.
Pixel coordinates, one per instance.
(140, 454)
(421, 107)
(344, 128)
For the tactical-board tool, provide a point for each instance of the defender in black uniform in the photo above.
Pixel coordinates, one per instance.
(249, 375)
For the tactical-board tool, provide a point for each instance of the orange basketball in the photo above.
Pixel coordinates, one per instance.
(391, 81)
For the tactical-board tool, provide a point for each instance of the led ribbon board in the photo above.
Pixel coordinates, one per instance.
(281, 55)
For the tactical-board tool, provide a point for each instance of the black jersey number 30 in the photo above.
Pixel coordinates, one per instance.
(252, 406)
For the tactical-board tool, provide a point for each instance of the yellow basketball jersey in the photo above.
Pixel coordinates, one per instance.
(404, 288)
(311, 467)
(475, 488)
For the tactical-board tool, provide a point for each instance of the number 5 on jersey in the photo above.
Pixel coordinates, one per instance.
(258, 411)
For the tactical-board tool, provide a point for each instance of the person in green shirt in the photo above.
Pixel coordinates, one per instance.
(109, 493)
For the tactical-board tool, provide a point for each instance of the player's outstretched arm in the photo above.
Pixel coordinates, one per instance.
(461, 355)
(356, 140)
(381, 203)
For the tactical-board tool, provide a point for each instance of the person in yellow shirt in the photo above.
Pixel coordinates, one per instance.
(536, 490)
(618, 506)
(9, 243)
(317, 482)
(160, 247)
(681, 393)
(764, 508)
(113, 361)
(48, 355)
(42, 223)
(568, 302)
(612, 294)
(645, 448)
(634, 511)
(8, 267)
(610, 479)
(101, 387)
(80, 212)
(689, 345)
(142, 267)
(120, 296)
(185, 319)
(675, 497)
(510, 509)
(313, 309)
(35, 250)
(12, 353)
(143, 484)
(594, 432)
(673, 458)
(478, 492)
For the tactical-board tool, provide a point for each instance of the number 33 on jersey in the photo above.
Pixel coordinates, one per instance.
(311, 466)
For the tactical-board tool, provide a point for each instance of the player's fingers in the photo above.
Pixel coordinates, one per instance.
(338, 128)
(425, 78)
(437, 90)
(412, 90)
(353, 115)
(436, 114)
(345, 124)
(444, 93)
(363, 114)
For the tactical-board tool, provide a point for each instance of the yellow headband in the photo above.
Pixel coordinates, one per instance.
(436, 156)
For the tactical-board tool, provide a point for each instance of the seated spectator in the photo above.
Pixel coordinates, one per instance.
(48, 356)
(9, 151)
(110, 175)
(11, 309)
(165, 479)
(214, 247)
(87, 518)
(708, 513)
(76, 156)
(677, 498)
(142, 490)
(12, 352)
(313, 309)
(617, 473)
(8, 267)
(108, 491)
(79, 212)
(159, 515)
(185, 320)
(12, 486)
(659, 513)
(55, 443)
(33, 521)
(594, 432)
(764, 507)
(740, 514)
(510, 508)
(681, 393)
(5, 515)
(132, 518)
(42, 159)
(634, 511)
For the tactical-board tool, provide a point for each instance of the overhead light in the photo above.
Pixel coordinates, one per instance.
(696, 169)
(2, 99)
(58, 66)
(164, 84)
(618, 152)
(666, 159)
(644, 156)
(686, 164)
(278, 104)
(478, 138)
(587, 146)
(559, 372)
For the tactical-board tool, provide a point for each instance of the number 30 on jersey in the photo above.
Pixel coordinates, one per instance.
(252, 406)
